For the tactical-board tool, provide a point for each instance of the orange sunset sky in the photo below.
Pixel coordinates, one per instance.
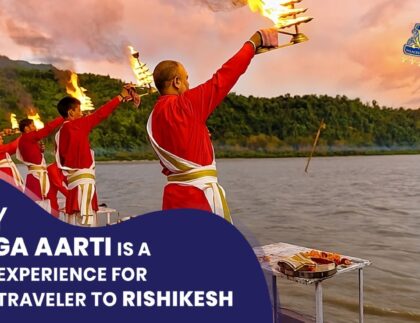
(355, 47)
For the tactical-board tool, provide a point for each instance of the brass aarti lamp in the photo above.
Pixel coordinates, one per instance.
(142, 73)
(284, 15)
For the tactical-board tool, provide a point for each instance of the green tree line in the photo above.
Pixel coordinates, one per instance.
(240, 126)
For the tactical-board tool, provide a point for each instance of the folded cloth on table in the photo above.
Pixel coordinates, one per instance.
(297, 261)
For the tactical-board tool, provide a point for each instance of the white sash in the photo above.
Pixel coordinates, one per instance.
(191, 174)
(8, 163)
(82, 179)
(39, 172)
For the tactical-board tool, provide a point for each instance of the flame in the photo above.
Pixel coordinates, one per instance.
(276, 10)
(36, 118)
(142, 73)
(13, 121)
(73, 89)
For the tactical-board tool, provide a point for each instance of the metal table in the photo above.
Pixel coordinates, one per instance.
(108, 212)
(103, 211)
(277, 250)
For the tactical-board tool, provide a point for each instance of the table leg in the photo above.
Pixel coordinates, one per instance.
(95, 219)
(71, 218)
(361, 295)
(318, 303)
(274, 291)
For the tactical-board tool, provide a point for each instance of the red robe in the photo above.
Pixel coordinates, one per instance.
(179, 126)
(57, 184)
(74, 147)
(30, 150)
(9, 148)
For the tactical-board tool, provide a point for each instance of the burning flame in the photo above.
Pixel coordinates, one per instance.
(36, 118)
(143, 75)
(13, 121)
(73, 89)
(276, 10)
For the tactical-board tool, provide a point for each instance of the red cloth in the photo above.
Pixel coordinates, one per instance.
(30, 150)
(74, 147)
(9, 148)
(29, 146)
(179, 126)
(57, 181)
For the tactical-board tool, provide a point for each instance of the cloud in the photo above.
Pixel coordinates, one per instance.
(25, 36)
(222, 5)
(354, 47)
(55, 32)
(376, 48)
(383, 12)
(40, 44)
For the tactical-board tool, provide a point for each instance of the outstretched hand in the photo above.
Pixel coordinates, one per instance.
(128, 92)
(266, 38)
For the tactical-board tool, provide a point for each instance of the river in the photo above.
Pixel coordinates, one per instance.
(366, 207)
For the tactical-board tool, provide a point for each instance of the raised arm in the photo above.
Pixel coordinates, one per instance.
(207, 96)
(47, 130)
(127, 94)
(102, 113)
(10, 147)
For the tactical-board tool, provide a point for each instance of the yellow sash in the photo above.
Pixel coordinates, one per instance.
(39, 172)
(84, 181)
(8, 163)
(191, 174)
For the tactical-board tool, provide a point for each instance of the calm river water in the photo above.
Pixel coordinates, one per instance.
(366, 207)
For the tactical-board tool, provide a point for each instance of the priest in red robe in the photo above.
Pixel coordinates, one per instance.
(30, 152)
(75, 157)
(8, 169)
(178, 132)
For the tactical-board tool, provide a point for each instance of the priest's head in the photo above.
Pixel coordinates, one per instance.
(69, 108)
(26, 126)
(171, 78)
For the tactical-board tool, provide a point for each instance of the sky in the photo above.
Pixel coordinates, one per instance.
(354, 47)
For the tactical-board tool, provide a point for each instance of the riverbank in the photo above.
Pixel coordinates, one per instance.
(103, 155)
(128, 156)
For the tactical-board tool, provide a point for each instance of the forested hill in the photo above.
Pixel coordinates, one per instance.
(241, 126)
